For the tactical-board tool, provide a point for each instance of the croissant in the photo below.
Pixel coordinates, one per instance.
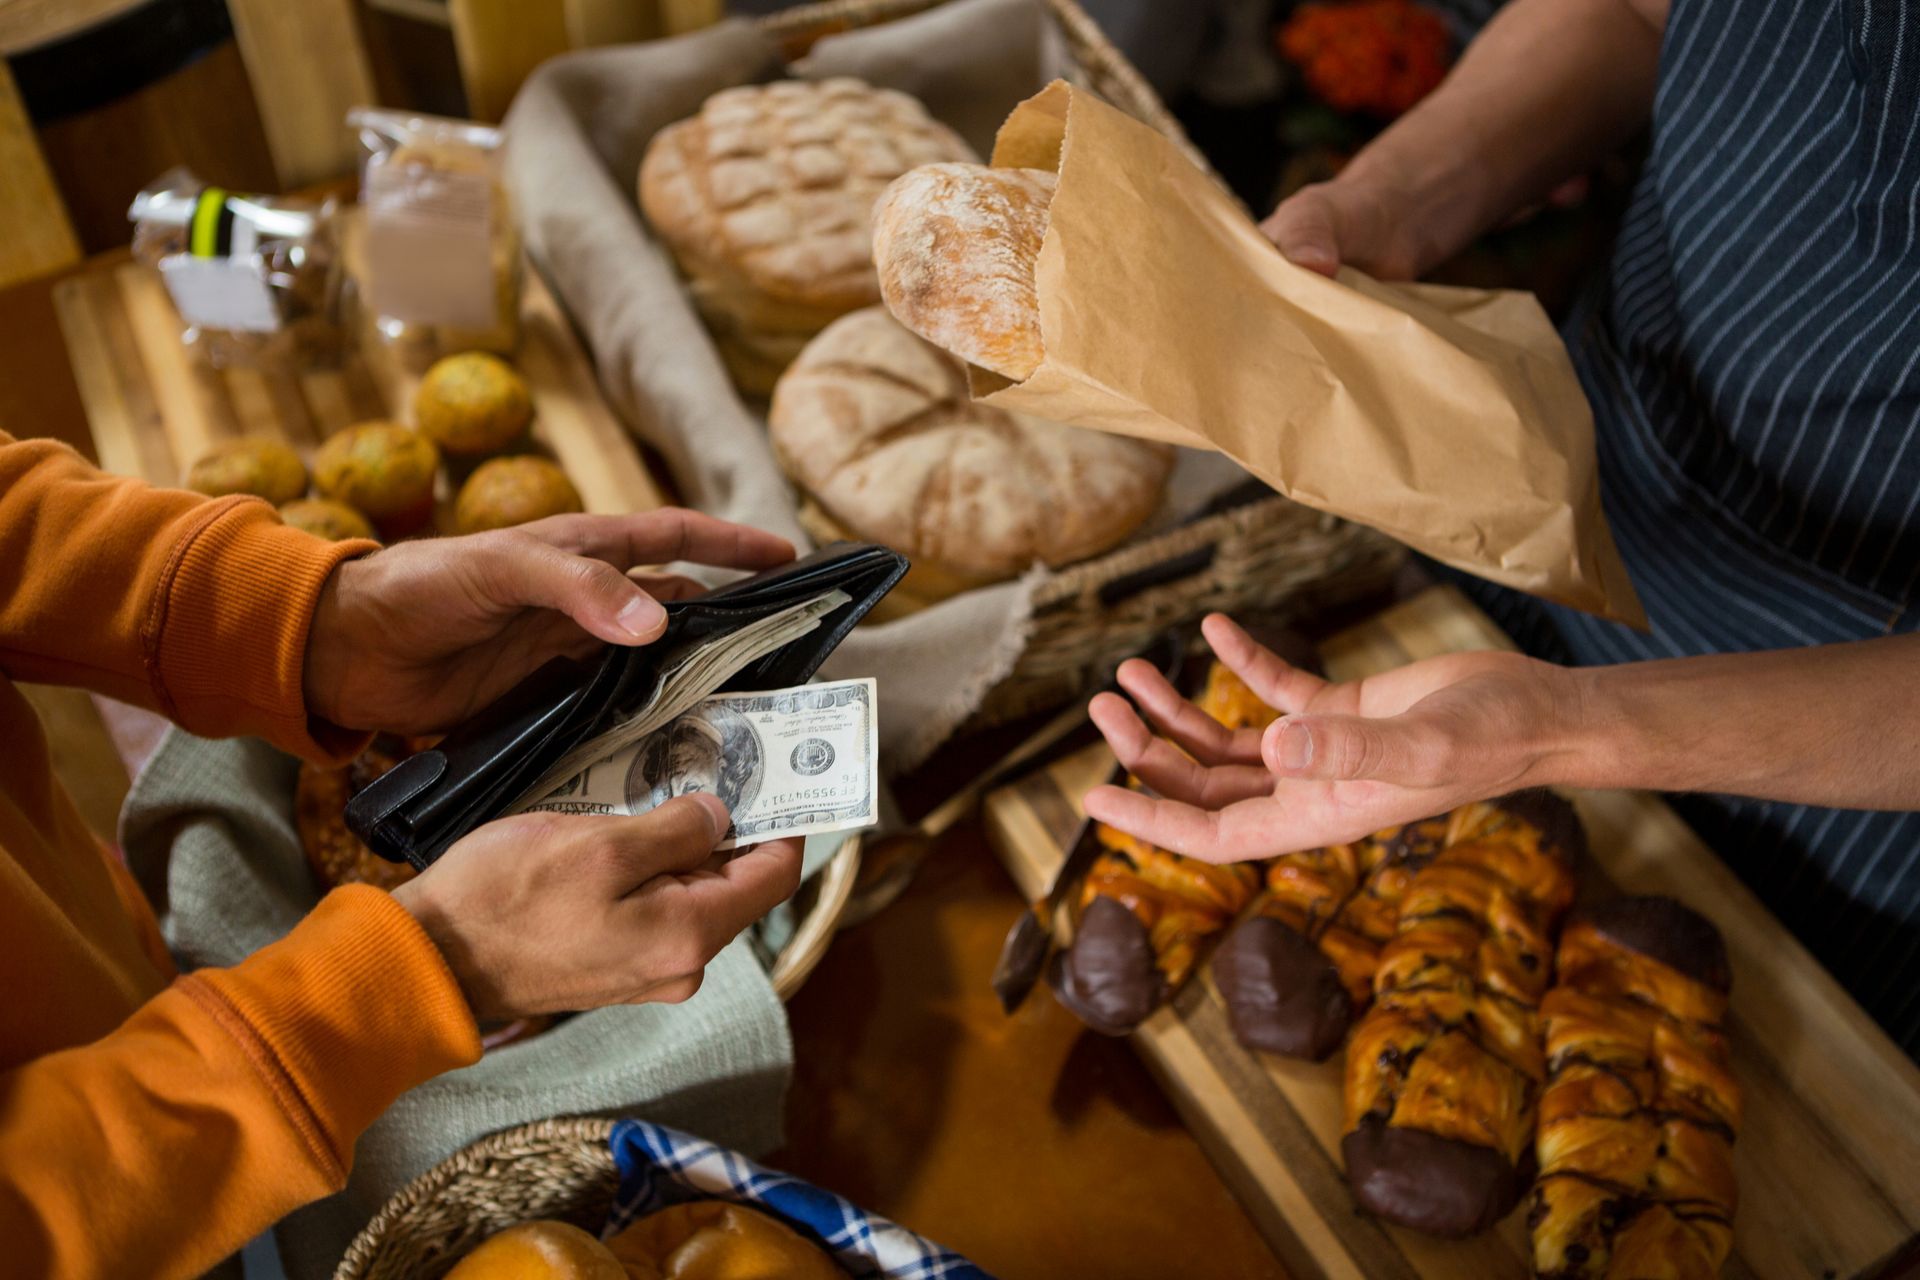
(1443, 1072)
(1638, 1119)
(1144, 916)
(1294, 974)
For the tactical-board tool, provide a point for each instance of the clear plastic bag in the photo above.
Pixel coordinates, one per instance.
(256, 279)
(440, 262)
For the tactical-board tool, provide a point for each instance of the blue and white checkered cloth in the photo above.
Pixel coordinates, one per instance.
(661, 1167)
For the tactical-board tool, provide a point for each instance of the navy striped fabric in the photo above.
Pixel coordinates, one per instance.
(1753, 358)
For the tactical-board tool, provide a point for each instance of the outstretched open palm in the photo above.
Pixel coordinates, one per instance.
(1346, 759)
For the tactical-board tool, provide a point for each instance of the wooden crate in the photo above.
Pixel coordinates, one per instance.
(153, 408)
(1828, 1158)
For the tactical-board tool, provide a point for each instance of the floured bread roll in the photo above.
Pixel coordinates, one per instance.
(956, 246)
(877, 427)
(764, 199)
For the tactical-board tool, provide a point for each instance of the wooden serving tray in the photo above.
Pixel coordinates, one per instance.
(1829, 1154)
(154, 408)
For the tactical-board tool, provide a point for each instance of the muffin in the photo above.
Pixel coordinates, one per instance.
(472, 403)
(510, 491)
(263, 468)
(325, 518)
(382, 470)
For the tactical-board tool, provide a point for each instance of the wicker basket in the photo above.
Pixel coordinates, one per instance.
(821, 902)
(1271, 553)
(548, 1169)
(1097, 64)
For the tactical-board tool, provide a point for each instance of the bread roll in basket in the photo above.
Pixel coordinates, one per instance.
(877, 427)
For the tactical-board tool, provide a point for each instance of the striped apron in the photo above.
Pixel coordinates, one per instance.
(1752, 352)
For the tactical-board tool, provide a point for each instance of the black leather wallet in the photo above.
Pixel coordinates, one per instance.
(427, 801)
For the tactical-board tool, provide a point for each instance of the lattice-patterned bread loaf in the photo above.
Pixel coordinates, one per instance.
(1444, 1072)
(765, 199)
(1640, 1111)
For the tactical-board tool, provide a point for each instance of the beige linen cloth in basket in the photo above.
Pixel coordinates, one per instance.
(576, 135)
(208, 831)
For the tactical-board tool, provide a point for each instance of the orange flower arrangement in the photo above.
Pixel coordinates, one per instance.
(1378, 56)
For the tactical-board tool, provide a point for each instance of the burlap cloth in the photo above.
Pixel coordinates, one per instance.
(208, 831)
(576, 135)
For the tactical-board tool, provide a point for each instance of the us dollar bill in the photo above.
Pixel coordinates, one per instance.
(688, 673)
(790, 762)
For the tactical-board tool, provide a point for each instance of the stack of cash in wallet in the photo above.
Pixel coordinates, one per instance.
(786, 762)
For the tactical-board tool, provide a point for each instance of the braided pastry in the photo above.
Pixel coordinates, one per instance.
(1294, 974)
(1228, 699)
(1638, 1119)
(1444, 1071)
(1144, 915)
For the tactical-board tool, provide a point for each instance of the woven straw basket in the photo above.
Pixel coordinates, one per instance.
(1268, 554)
(821, 902)
(548, 1169)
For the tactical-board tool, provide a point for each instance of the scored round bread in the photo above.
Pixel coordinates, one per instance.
(877, 426)
(764, 199)
(956, 246)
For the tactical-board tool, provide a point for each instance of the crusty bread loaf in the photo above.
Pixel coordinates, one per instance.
(956, 246)
(764, 199)
(878, 428)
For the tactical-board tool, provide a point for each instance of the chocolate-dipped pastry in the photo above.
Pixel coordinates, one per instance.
(1144, 912)
(1664, 930)
(1638, 1117)
(1282, 994)
(1544, 819)
(1442, 1186)
(1108, 977)
(1444, 1071)
(1294, 974)
(1144, 915)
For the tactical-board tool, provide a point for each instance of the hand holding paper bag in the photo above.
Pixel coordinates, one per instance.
(1448, 418)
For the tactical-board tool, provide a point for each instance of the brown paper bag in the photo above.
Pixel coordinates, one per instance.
(1448, 418)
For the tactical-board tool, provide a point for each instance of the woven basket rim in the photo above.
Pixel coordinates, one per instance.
(592, 1132)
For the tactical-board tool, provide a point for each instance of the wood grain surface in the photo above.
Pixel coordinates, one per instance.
(153, 408)
(1829, 1155)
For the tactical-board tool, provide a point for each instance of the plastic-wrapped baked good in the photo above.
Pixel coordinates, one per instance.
(256, 279)
(440, 266)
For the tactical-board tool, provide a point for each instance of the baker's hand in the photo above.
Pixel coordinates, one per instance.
(419, 636)
(1344, 222)
(550, 913)
(1344, 761)
(1363, 221)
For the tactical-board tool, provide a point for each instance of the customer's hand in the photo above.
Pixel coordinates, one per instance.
(549, 913)
(1345, 760)
(419, 636)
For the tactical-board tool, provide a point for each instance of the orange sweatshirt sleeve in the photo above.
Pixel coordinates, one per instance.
(229, 1099)
(196, 608)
